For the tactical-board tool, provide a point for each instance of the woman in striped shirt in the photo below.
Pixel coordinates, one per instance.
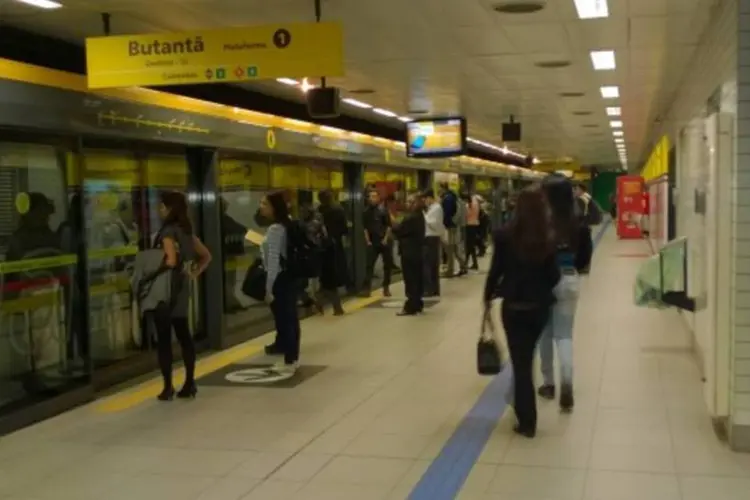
(281, 290)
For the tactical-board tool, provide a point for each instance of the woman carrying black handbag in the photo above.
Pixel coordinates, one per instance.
(524, 273)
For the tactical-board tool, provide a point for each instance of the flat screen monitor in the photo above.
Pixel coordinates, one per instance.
(436, 137)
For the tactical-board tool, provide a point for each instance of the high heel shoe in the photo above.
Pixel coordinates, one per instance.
(166, 395)
(188, 391)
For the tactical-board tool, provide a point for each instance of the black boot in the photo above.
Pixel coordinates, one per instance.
(566, 398)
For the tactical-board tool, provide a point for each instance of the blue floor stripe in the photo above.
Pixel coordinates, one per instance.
(448, 472)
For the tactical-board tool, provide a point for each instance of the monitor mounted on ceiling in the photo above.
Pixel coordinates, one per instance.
(436, 137)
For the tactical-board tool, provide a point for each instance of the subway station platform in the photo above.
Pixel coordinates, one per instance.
(391, 408)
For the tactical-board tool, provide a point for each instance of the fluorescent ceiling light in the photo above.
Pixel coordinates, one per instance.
(619, 140)
(384, 112)
(603, 59)
(287, 81)
(356, 103)
(617, 133)
(404, 119)
(614, 111)
(615, 124)
(42, 4)
(610, 92)
(592, 9)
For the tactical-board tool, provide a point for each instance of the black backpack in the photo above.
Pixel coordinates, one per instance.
(302, 254)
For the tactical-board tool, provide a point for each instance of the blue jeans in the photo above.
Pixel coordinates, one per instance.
(559, 331)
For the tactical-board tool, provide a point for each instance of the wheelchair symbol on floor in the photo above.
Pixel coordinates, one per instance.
(262, 375)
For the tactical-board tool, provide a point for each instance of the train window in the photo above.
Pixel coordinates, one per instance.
(243, 181)
(43, 348)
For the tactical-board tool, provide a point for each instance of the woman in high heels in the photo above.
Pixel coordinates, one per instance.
(186, 257)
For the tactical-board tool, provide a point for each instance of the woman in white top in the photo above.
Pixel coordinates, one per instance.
(281, 289)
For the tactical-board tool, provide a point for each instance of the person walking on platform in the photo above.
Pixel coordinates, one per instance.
(524, 273)
(377, 224)
(571, 240)
(181, 248)
(411, 238)
(434, 231)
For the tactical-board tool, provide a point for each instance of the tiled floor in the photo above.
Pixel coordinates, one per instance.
(393, 392)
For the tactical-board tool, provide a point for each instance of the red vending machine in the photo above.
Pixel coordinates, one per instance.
(629, 206)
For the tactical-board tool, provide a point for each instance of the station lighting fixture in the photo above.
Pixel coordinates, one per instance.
(305, 86)
(614, 111)
(356, 103)
(603, 59)
(384, 112)
(619, 140)
(404, 119)
(615, 124)
(617, 133)
(610, 92)
(42, 4)
(592, 9)
(288, 81)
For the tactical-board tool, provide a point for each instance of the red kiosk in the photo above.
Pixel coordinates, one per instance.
(629, 206)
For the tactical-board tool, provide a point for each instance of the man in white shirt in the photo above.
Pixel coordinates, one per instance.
(434, 232)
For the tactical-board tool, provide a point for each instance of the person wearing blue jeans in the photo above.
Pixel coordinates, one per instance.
(573, 255)
(559, 333)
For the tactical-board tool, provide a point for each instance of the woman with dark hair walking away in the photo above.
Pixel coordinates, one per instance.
(186, 258)
(573, 255)
(281, 286)
(524, 273)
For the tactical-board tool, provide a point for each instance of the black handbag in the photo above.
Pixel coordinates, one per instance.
(489, 358)
(254, 284)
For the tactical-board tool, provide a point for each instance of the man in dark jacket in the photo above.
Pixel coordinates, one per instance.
(377, 225)
(411, 238)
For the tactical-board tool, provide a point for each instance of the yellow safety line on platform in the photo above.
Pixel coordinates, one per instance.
(134, 396)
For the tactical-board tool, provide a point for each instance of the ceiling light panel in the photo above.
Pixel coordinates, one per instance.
(614, 111)
(610, 92)
(592, 9)
(384, 112)
(603, 60)
(356, 103)
(42, 4)
(615, 124)
(287, 81)
(617, 133)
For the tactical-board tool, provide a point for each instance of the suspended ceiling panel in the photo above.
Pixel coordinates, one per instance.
(459, 57)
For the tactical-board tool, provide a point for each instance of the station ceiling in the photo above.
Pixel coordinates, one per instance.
(442, 57)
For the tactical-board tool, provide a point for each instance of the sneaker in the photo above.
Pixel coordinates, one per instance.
(566, 398)
(283, 368)
(546, 391)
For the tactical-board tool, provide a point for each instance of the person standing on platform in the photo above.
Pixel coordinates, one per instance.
(377, 224)
(473, 234)
(434, 232)
(333, 266)
(411, 238)
(524, 273)
(449, 204)
(586, 209)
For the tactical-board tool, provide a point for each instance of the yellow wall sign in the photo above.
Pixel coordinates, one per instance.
(215, 56)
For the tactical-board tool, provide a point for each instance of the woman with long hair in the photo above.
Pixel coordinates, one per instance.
(524, 273)
(571, 255)
(186, 257)
(281, 288)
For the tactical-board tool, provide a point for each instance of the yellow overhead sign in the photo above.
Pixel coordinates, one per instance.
(215, 56)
